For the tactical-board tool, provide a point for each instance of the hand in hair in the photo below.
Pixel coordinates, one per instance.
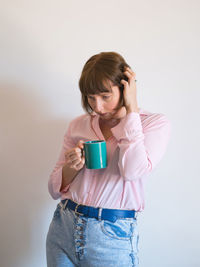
(129, 92)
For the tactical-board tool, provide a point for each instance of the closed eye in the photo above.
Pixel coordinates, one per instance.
(106, 96)
(103, 96)
(90, 97)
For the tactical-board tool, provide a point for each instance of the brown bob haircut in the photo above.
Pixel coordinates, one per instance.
(97, 71)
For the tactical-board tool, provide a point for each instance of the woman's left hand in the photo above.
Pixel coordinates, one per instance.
(130, 98)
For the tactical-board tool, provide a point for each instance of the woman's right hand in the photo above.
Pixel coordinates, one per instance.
(74, 157)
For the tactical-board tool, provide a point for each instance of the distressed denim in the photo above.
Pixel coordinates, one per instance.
(75, 240)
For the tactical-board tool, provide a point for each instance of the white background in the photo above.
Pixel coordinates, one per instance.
(43, 47)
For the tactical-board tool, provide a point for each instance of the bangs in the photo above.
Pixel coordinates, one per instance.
(96, 83)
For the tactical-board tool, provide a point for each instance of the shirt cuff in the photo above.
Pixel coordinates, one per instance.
(128, 128)
(55, 184)
(59, 183)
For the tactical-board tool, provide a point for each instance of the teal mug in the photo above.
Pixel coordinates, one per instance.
(95, 154)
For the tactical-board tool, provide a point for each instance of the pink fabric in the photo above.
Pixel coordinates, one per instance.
(138, 144)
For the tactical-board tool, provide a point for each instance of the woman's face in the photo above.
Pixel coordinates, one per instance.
(105, 104)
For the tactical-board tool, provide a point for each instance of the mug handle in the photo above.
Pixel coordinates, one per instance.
(82, 152)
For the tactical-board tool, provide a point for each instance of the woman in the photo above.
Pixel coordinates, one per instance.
(95, 223)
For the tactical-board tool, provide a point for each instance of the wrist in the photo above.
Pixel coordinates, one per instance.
(132, 109)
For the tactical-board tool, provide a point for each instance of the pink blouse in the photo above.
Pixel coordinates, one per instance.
(137, 145)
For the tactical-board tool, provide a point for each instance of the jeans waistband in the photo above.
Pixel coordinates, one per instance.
(98, 213)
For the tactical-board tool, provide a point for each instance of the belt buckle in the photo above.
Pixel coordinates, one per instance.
(76, 212)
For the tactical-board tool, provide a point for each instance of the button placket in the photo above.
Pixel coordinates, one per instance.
(79, 237)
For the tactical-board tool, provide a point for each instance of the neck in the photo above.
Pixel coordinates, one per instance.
(109, 123)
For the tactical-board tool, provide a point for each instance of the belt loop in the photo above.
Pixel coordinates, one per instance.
(136, 214)
(65, 204)
(61, 204)
(99, 214)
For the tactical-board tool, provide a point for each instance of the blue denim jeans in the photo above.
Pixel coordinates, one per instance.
(75, 240)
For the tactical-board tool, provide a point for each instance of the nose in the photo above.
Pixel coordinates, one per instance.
(98, 106)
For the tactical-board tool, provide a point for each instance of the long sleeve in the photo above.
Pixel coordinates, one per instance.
(141, 147)
(55, 179)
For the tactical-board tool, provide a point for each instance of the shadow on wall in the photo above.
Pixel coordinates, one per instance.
(30, 146)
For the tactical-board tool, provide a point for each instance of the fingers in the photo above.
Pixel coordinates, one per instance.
(72, 160)
(80, 164)
(124, 82)
(74, 157)
(72, 154)
(130, 74)
(129, 71)
(80, 144)
(75, 161)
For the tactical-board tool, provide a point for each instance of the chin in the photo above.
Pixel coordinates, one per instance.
(105, 117)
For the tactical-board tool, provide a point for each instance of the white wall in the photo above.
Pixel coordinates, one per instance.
(43, 47)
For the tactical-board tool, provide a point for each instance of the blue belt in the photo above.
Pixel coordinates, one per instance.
(98, 213)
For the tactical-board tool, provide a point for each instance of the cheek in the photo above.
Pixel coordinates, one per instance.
(111, 105)
(114, 103)
(90, 103)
